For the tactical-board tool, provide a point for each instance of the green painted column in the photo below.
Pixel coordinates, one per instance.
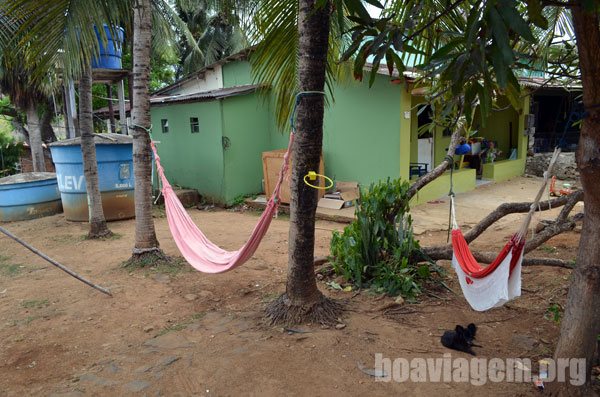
(522, 142)
(405, 131)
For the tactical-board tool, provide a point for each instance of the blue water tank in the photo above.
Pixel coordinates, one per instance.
(110, 56)
(114, 155)
(29, 195)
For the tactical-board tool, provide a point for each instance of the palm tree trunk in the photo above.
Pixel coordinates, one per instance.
(302, 300)
(581, 322)
(98, 227)
(145, 234)
(35, 139)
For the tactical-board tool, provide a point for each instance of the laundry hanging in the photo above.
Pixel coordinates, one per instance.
(195, 247)
(495, 284)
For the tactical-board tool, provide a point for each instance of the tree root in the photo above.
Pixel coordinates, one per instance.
(324, 311)
(147, 257)
(103, 234)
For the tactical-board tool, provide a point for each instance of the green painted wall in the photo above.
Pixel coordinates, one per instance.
(361, 140)
(500, 125)
(504, 169)
(191, 160)
(236, 73)
(246, 123)
(464, 180)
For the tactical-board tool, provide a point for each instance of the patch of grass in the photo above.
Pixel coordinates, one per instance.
(35, 304)
(155, 264)
(9, 269)
(158, 211)
(113, 236)
(182, 325)
(269, 297)
(548, 249)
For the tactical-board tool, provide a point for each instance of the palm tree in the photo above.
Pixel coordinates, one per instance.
(28, 96)
(217, 28)
(302, 300)
(98, 227)
(146, 242)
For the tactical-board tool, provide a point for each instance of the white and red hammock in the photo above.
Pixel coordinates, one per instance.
(495, 284)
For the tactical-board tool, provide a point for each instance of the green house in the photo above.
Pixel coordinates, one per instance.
(214, 125)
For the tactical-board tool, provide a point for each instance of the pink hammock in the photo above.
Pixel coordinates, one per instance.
(195, 247)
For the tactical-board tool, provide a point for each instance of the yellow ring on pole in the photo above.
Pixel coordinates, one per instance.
(313, 176)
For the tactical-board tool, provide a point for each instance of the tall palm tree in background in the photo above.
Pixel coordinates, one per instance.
(218, 30)
(29, 96)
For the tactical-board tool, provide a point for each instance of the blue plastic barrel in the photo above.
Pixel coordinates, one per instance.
(29, 195)
(110, 56)
(114, 155)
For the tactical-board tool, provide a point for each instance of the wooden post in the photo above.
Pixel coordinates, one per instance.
(122, 111)
(55, 263)
(111, 111)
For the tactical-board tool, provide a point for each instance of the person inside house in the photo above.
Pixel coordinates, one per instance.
(491, 152)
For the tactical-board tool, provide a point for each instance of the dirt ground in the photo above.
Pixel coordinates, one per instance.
(177, 332)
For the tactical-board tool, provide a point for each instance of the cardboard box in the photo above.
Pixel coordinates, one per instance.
(345, 195)
(272, 162)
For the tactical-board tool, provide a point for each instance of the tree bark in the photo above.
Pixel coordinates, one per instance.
(48, 134)
(35, 139)
(581, 322)
(145, 234)
(302, 300)
(98, 226)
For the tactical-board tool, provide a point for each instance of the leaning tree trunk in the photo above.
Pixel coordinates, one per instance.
(302, 300)
(146, 242)
(581, 322)
(35, 139)
(98, 227)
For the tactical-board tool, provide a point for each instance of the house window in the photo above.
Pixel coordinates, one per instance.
(194, 125)
(164, 125)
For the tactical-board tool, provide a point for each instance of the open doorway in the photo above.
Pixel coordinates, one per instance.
(425, 146)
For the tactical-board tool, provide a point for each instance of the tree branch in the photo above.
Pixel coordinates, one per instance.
(445, 253)
(513, 208)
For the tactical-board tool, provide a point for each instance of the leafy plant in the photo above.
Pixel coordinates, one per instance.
(376, 253)
(10, 151)
(554, 313)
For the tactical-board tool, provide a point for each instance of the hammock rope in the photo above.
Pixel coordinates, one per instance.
(490, 286)
(196, 248)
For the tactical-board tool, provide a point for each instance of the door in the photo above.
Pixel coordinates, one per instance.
(426, 152)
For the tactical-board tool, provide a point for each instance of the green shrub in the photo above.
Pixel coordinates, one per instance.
(374, 252)
(10, 151)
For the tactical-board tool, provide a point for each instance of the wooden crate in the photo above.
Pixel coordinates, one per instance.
(272, 162)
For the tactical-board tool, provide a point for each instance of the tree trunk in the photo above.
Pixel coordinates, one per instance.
(35, 139)
(581, 323)
(48, 134)
(145, 235)
(98, 227)
(302, 300)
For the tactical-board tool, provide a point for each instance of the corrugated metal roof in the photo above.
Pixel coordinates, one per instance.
(99, 139)
(206, 95)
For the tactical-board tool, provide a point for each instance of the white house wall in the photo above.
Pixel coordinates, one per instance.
(213, 80)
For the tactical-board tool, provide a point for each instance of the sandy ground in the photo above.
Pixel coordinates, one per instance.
(176, 332)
